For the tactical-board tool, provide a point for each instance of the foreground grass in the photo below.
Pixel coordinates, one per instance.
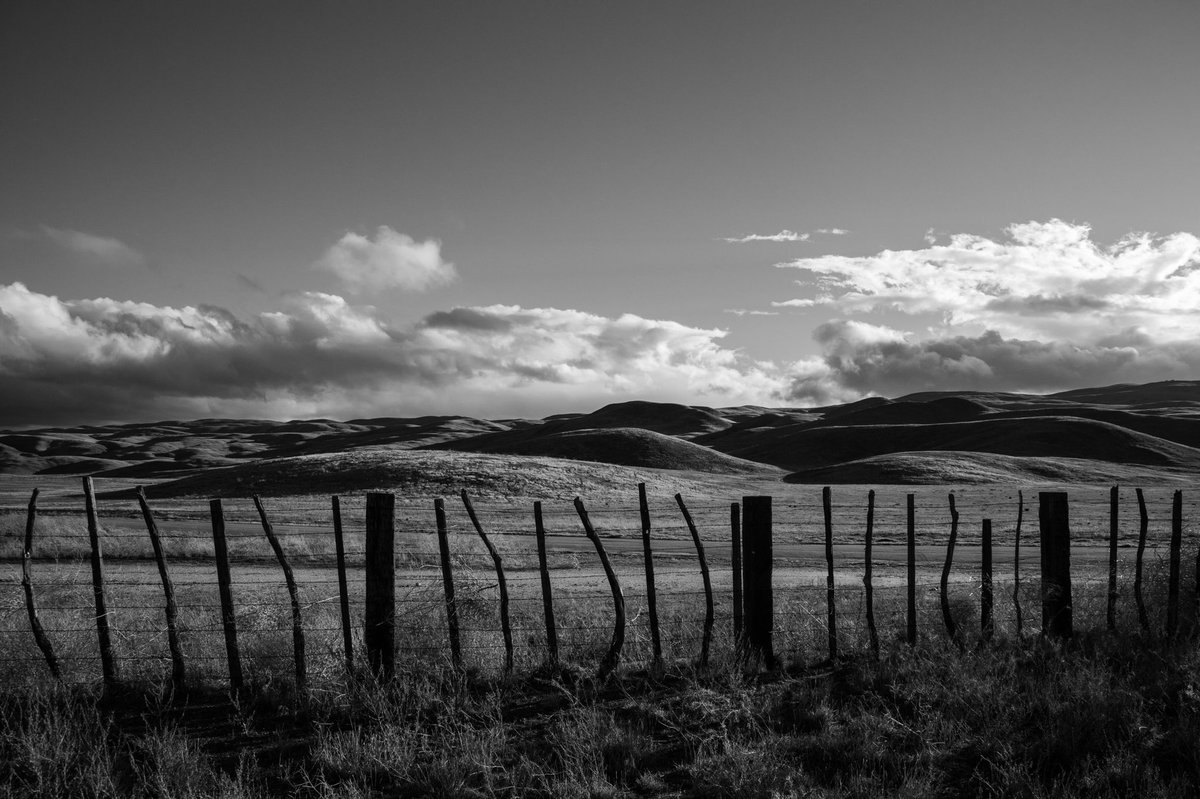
(1110, 715)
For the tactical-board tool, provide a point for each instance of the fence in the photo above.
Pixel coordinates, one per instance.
(300, 591)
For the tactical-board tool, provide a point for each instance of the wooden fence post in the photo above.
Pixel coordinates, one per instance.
(439, 510)
(869, 589)
(35, 624)
(1143, 528)
(1173, 574)
(1017, 563)
(108, 662)
(293, 594)
(706, 641)
(547, 597)
(830, 592)
(912, 570)
(651, 595)
(951, 628)
(756, 577)
(735, 529)
(379, 624)
(505, 626)
(986, 625)
(177, 666)
(1113, 508)
(343, 590)
(228, 617)
(610, 661)
(1054, 520)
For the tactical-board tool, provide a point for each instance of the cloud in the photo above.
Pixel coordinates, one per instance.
(95, 360)
(98, 249)
(390, 260)
(750, 312)
(832, 231)
(781, 236)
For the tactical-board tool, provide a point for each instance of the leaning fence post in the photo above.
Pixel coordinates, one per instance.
(177, 668)
(830, 593)
(1017, 562)
(869, 589)
(228, 618)
(293, 594)
(651, 595)
(951, 628)
(505, 627)
(547, 597)
(735, 529)
(1173, 574)
(439, 511)
(706, 641)
(107, 662)
(756, 573)
(1113, 507)
(986, 625)
(379, 624)
(35, 624)
(1143, 528)
(609, 663)
(912, 570)
(343, 590)
(1055, 526)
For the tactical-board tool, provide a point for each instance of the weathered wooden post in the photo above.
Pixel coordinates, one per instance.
(225, 590)
(756, 577)
(1113, 508)
(343, 589)
(1143, 528)
(439, 510)
(35, 624)
(505, 626)
(706, 641)
(869, 589)
(1017, 563)
(293, 594)
(547, 597)
(986, 625)
(947, 617)
(379, 624)
(177, 666)
(1054, 520)
(609, 664)
(651, 595)
(108, 662)
(1176, 557)
(912, 570)
(830, 592)
(735, 529)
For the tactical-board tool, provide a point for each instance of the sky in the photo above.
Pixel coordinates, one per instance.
(359, 209)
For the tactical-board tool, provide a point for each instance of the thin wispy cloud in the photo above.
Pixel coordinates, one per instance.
(750, 312)
(103, 250)
(389, 260)
(785, 236)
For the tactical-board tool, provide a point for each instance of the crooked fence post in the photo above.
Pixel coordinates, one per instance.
(35, 624)
(108, 663)
(869, 589)
(1017, 563)
(547, 597)
(177, 667)
(228, 617)
(1054, 520)
(439, 510)
(986, 625)
(706, 641)
(756, 583)
(1113, 508)
(735, 529)
(947, 617)
(911, 635)
(651, 595)
(293, 594)
(343, 590)
(379, 624)
(505, 627)
(1173, 574)
(830, 593)
(1143, 528)
(610, 661)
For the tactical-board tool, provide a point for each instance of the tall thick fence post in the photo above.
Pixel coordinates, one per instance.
(379, 624)
(228, 617)
(609, 664)
(1017, 563)
(986, 625)
(735, 530)
(35, 624)
(1143, 528)
(951, 628)
(547, 597)
(1176, 557)
(343, 589)
(830, 592)
(1054, 520)
(706, 641)
(177, 666)
(505, 626)
(108, 662)
(756, 577)
(293, 595)
(868, 588)
(651, 595)
(1113, 508)
(439, 510)
(912, 570)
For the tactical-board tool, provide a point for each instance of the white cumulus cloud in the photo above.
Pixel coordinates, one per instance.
(389, 260)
